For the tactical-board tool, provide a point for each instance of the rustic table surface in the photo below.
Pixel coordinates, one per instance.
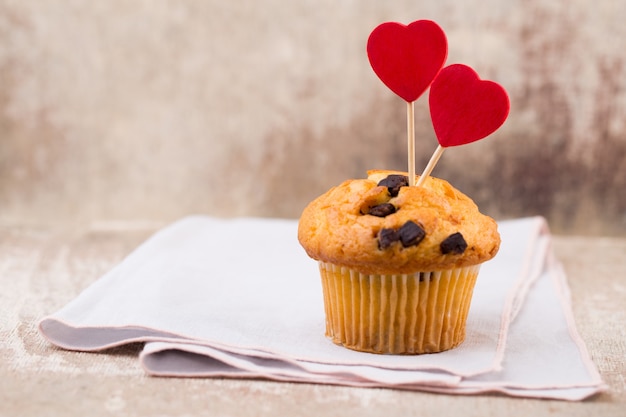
(41, 270)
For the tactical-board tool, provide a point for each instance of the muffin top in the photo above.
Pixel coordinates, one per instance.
(380, 225)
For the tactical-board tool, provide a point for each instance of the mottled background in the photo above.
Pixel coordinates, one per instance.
(121, 110)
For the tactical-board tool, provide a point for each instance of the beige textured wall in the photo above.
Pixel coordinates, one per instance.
(155, 109)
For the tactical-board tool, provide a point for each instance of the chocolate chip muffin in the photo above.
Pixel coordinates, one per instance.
(398, 263)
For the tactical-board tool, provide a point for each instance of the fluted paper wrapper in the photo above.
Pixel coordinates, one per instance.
(423, 312)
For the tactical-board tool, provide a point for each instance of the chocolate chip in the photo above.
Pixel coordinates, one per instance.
(411, 234)
(382, 210)
(394, 182)
(455, 243)
(386, 237)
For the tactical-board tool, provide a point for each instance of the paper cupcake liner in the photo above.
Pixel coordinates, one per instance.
(424, 312)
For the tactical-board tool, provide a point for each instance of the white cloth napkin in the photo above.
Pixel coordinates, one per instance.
(240, 298)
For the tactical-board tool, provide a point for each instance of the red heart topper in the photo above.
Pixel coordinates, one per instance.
(464, 108)
(407, 58)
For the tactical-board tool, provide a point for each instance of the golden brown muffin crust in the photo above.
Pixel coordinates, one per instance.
(336, 228)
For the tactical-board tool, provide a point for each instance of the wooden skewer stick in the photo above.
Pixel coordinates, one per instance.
(431, 165)
(410, 128)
